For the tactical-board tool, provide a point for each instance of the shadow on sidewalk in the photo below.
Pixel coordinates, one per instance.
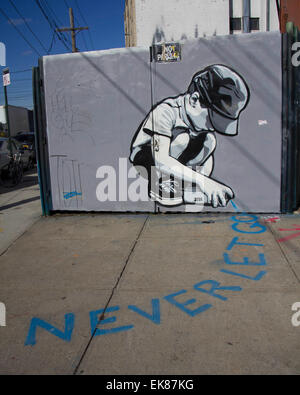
(30, 178)
(21, 202)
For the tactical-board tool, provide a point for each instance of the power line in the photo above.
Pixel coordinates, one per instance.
(21, 34)
(20, 71)
(53, 36)
(21, 95)
(12, 100)
(16, 89)
(55, 21)
(85, 22)
(82, 36)
(19, 98)
(51, 45)
(66, 4)
(62, 39)
(21, 92)
(55, 17)
(18, 93)
(24, 20)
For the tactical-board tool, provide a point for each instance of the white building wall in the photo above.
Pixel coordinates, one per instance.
(259, 10)
(174, 20)
(274, 20)
(18, 119)
(2, 114)
(237, 8)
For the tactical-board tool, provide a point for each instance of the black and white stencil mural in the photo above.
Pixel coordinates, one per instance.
(174, 146)
(127, 134)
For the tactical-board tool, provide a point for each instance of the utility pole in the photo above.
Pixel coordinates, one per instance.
(73, 30)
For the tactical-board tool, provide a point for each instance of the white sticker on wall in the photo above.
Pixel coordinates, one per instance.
(261, 122)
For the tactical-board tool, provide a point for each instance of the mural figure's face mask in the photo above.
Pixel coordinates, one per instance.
(224, 94)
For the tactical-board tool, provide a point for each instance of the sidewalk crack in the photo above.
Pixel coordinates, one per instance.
(290, 266)
(111, 295)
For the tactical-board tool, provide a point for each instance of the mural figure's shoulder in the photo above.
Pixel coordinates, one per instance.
(174, 102)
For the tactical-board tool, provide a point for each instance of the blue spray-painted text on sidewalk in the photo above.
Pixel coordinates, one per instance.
(242, 223)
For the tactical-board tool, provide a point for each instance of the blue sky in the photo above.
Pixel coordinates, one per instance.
(104, 17)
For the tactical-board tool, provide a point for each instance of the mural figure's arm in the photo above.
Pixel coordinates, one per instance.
(204, 161)
(217, 193)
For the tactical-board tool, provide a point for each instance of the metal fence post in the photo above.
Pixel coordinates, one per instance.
(41, 141)
(290, 120)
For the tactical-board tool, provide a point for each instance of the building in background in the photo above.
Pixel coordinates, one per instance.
(152, 21)
(20, 120)
(289, 12)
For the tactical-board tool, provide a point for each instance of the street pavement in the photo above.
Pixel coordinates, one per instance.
(147, 294)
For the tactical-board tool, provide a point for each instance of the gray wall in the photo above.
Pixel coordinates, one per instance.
(95, 102)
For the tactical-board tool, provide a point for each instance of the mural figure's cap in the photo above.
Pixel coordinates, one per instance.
(226, 94)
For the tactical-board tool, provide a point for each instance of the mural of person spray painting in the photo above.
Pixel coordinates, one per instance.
(174, 146)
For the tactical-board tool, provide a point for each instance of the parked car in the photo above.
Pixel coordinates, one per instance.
(27, 140)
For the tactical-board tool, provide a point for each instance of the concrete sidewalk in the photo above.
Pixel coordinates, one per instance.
(152, 282)
(20, 207)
